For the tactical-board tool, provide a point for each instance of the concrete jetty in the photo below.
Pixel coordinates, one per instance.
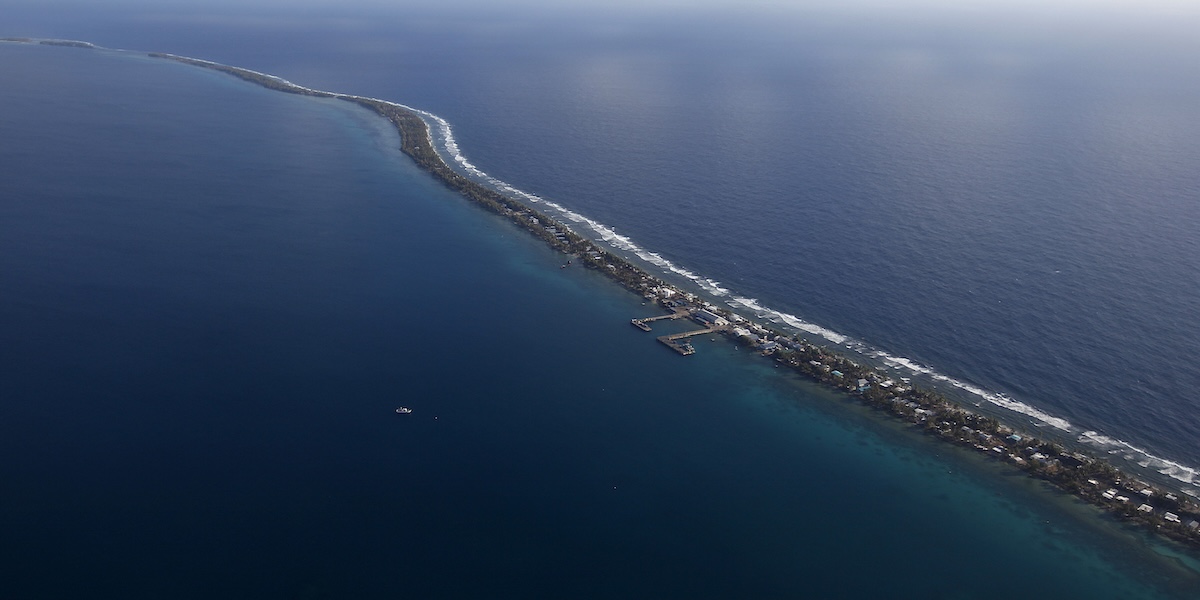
(683, 347)
(642, 324)
(678, 341)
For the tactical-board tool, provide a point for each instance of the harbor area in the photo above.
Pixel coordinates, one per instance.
(679, 342)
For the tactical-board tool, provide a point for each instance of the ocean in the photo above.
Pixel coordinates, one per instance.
(1004, 205)
(215, 296)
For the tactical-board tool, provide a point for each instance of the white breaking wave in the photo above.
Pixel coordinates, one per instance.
(608, 235)
(1000, 400)
(1143, 458)
(1112, 446)
(1169, 468)
(605, 233)
(792, 321)
(713, 287)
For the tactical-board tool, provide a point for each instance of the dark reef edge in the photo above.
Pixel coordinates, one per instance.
(1173, 516)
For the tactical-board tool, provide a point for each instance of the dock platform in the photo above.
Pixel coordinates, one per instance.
(678, 341)
(685, 348)
(642, 324)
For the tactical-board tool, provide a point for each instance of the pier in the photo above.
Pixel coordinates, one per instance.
(683, 347)
(642, 324)
(678, 341)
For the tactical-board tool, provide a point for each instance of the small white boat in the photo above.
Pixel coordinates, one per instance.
(403, 410)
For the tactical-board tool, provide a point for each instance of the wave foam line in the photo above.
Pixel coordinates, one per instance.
(1142, 457)
(1179, 472)
(610, 236)
(1000, 400)
(1167, 467)
(622, 242)
(606, 233)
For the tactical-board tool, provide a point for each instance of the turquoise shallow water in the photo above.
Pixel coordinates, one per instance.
(214, 297)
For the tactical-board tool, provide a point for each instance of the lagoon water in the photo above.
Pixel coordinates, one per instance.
(1006, 196)
(214, 296)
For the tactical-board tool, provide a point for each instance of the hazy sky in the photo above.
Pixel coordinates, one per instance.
(1012, 17)
(1078, 8)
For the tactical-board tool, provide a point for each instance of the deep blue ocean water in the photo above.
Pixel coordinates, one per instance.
(214, 297)
(1006, 198)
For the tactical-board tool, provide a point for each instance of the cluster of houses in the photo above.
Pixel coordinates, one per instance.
(1178, 518)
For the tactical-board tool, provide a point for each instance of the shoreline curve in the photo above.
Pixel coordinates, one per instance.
(1086, 477)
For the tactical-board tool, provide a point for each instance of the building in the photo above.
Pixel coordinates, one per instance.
(710, 318)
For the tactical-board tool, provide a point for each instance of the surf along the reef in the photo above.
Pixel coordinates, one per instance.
(429, 140)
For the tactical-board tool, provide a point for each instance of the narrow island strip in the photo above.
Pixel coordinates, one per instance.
(1173, 516)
